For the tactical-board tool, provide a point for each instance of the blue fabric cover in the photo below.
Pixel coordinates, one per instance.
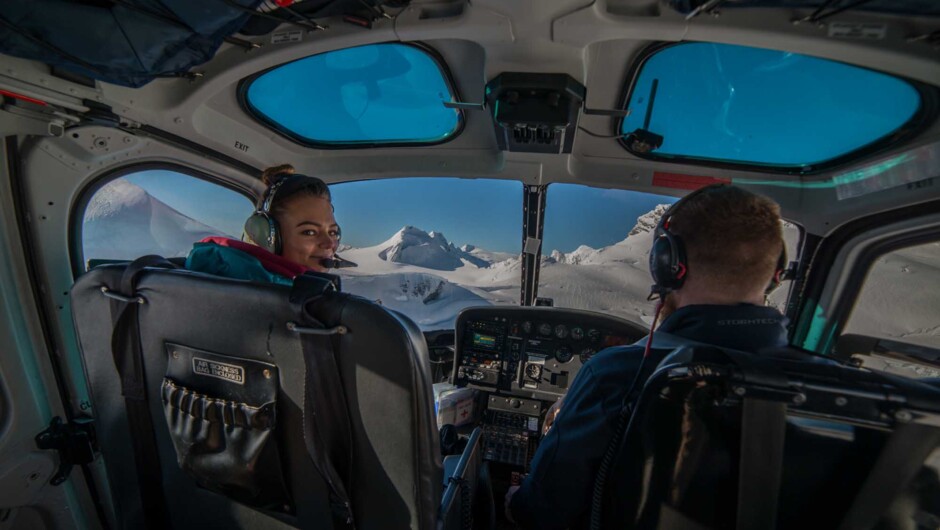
(126, 43)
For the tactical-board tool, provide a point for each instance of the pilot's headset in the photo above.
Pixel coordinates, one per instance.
(668, 264)
(262, 228)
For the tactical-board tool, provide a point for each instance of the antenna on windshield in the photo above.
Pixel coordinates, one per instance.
(642, 140)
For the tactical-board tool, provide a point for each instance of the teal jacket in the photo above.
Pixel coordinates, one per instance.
(231, 258)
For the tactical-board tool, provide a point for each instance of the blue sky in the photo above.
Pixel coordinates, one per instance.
(483, 212)
(579, 215)
(719, 101)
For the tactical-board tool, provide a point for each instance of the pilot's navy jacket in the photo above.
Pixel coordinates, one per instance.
(557, 493)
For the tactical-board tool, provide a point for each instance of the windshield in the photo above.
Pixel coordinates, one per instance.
(431, 247)
(596, 250)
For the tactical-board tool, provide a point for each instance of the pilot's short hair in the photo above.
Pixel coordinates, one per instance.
(732, 237)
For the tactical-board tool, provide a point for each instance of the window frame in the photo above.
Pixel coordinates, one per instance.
(88, 191)
(434, 55)
(823, 269)
(860, 270)
(922, 119)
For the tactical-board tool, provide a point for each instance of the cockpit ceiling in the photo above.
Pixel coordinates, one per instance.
(599, 44)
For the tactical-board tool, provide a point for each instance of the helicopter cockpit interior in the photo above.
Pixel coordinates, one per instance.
(496, 171)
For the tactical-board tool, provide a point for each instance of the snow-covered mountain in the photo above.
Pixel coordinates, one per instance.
(428, 278)
(612, 279)
(431, 250)
(485, 255)
(647, 222)
(431, 301)
(123, 221)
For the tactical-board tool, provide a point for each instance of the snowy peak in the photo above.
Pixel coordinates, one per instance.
(123, 221)
(582, 254)
(115, 198)
(647, 222)
(410, 236)
(431, 250)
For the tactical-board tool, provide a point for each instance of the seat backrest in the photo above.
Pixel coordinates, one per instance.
(687, 458)
(204, 341)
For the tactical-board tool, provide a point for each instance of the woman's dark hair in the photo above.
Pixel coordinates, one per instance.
(304, 185)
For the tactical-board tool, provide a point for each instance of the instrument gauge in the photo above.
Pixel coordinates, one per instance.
(577, 333)
(563, 354)
(545, 329)
(594, 335)
(561, 331)
(527, 327)
(586, 355)
(533, 371)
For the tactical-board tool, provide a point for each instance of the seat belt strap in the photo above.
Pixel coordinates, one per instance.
(327, 427)
(127, 354)
(898, 463)
(763, 426)
(672, 519)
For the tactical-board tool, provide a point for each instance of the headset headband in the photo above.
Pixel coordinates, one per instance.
(287, 185)
(664, 221)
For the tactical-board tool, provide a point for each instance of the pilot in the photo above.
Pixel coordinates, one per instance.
(715, 254)
(291, 232)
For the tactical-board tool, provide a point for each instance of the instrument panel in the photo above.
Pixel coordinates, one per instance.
(532, 352)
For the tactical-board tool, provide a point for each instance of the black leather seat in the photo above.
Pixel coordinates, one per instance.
(730, 440)
(188, 320)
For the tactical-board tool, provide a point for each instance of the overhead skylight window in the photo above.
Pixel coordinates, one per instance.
(749, 106)
(377, 94)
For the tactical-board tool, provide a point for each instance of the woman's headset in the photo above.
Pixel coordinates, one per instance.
(262, 228)
(668, 264)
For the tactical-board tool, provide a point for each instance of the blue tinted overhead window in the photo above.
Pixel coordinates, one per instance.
(380, 93)
(754, 106)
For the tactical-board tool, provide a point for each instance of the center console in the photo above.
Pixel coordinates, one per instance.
(521, 360)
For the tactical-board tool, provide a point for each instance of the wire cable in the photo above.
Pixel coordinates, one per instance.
(626, 412)
(595, 135)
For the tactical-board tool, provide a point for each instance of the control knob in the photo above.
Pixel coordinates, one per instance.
(533, 371)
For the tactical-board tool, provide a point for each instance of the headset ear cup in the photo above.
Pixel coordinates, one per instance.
(667, 263)
(261, 230)
(658, 258)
